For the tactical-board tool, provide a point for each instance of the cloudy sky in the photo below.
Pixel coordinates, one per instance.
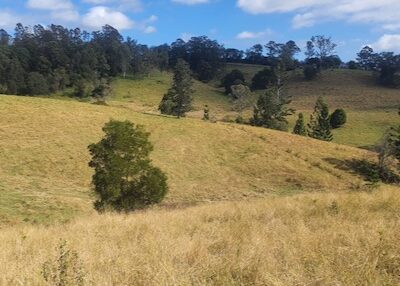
(235, 23)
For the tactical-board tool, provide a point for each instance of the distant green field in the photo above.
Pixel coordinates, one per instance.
(371, 109)
(145, 94)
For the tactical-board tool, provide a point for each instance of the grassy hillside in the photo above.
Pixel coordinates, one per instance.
(309, 239)
(371, 109)
(145, 94)
(44, 174)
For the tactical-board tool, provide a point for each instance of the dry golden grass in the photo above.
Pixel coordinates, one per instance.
(44, 175)
(309, 239)
(348, 89)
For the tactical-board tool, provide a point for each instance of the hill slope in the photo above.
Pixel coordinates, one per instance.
(371, 109)
(44, 174)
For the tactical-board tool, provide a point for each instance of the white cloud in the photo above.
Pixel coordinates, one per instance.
(152, 18)
(150, 30)
(272, 6)
(50, 4)
(247, 35)
(99, 16)
(388, 42)
(191, 2)
(8, 19)
(303, 20)
(133, 5)
(186, 36)
(65, 16)
(61, 11)
(97, 2)
(384, 13)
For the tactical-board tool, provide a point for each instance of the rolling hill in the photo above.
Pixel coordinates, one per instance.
(44, 175)
(247, 205)
(371, 109)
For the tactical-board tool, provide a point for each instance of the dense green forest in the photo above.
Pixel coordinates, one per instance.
(45, 60)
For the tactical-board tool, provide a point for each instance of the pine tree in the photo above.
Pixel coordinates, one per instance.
(319, 126)
(300, 128)
(177, 101)
(271, 110)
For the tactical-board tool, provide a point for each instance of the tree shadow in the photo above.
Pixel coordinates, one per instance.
(368, 170)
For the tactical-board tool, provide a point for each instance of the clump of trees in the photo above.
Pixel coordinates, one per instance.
(205, 56)
(43, 60)
(177, 101)
(124, 178)
(386, 65)
(271, 111)
(320, 54)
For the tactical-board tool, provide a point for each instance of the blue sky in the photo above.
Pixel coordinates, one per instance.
(234, 23)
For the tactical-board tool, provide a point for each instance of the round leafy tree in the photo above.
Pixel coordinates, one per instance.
(264, 79)
(124, 178)
(235, 77)
(338, 118)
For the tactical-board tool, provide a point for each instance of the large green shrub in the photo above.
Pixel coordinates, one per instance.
(338, 118)
(124, 177)
(235, 77)
(264, 79)
(310, 72)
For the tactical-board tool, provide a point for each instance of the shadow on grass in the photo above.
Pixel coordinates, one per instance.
(370, 171)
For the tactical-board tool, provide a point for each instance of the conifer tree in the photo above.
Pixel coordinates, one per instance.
(300, 128)
(319, 126)
(177, 101)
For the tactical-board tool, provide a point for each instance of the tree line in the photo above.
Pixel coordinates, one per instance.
(44, 60)
(385, 65)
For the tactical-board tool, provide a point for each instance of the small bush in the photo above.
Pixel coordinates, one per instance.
(66, 269)
(240, 120)
(338, 118)
(310, 72)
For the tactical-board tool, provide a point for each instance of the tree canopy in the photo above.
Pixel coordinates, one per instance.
(124, 178)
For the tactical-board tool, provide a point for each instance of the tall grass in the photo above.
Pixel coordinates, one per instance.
(310, 239)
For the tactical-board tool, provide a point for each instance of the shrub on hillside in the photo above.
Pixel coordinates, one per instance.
(124, 178)
(338, 118)
(263, 79)
(235, 77)
(310, 72)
